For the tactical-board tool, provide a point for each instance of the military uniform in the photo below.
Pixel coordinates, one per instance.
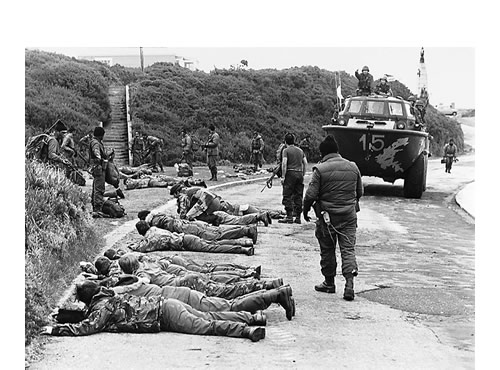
(98, 163)
(154, 274)
(109, 312)
(154, 148)
(450, 153)
(365, 82)
(212, 146)
(257, 150)
(187, 150)
(383, 89)
(198, 228)
(157, 239)
(293, 182)
(245, 305)
(305, 145)
(138, 149)
(335, 188)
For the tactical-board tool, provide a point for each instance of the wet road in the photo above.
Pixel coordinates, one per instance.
(415, 294)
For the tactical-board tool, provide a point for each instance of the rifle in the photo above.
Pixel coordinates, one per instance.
(269, 182)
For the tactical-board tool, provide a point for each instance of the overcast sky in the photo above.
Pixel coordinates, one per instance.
(450, 70)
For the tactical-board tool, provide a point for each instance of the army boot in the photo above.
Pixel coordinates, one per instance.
(263, 217)
(349, 288)
(287, 220)
(327, 286)
(258, 319)
(254, 333)
(252, 233)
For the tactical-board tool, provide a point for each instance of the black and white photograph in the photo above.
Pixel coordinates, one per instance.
(237, 190)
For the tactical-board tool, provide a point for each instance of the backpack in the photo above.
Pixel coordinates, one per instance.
(195, 143)
(113, 208)
(183, 170)
(38, 147)
(112, 174)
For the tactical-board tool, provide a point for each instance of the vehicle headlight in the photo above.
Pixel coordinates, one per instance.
(400, 125)
(342, 122)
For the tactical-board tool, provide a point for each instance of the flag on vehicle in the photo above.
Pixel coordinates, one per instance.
(390, 78)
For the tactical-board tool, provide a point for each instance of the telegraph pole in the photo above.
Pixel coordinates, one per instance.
(142, 60)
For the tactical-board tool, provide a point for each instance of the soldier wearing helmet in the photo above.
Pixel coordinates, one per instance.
(383, 88)
(365, 81)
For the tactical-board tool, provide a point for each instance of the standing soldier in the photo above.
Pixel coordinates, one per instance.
(334, 192)
(383, 88)
(450, 155)
(257, 150)
(154, 149)
(212, 147)
(293, 169)
(305, 145)
(68, 146)
(365, 81)
(137, 150)
(98, 163)
(187, 148)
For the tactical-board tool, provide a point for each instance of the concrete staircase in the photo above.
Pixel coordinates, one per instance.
(116, 135)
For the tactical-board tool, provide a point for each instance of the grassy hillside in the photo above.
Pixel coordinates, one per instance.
(299, 100)
(165, 98)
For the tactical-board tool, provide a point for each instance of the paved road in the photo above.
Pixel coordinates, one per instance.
(415, 294)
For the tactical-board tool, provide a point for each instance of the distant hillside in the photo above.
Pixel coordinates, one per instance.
(165, 98)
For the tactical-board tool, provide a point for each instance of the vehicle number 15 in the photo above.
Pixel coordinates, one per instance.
(376, 144)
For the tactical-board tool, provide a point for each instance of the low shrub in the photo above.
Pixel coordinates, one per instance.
(59, 233)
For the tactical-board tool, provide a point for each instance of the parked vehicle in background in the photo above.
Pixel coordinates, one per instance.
(448, 110)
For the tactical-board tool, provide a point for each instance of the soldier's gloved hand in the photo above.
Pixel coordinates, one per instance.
(46, 330)
(306, 216)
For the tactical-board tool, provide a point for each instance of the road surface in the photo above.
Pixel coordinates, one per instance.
(414, 305)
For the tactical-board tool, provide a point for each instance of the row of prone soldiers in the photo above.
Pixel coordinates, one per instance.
(171, 292)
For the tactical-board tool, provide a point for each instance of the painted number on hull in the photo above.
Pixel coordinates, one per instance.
(376, 144)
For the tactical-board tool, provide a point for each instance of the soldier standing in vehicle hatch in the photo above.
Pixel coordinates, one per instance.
(365, 81)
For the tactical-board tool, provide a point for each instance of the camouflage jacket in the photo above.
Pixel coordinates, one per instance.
(177, 225)
(116, 313)
(365, 82)
(212, 144)
(159, 240)
(97, 152)
(54, 151)
(258, 144)
(187, 143)
(383, 88)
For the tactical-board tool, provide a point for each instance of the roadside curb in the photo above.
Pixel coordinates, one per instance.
(465, 199)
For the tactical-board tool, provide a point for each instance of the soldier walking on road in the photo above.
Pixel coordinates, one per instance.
(187, 148)
(293, 168)
(257, 149)
(450, 155)
(212, 147)
(98, 163)
(334, 192)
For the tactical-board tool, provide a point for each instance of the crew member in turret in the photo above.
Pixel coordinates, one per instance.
(383, 88)
(365, 81)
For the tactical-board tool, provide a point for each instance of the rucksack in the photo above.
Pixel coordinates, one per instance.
(196, 143)
(113, 208)
(38, 147)
(112, 174)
